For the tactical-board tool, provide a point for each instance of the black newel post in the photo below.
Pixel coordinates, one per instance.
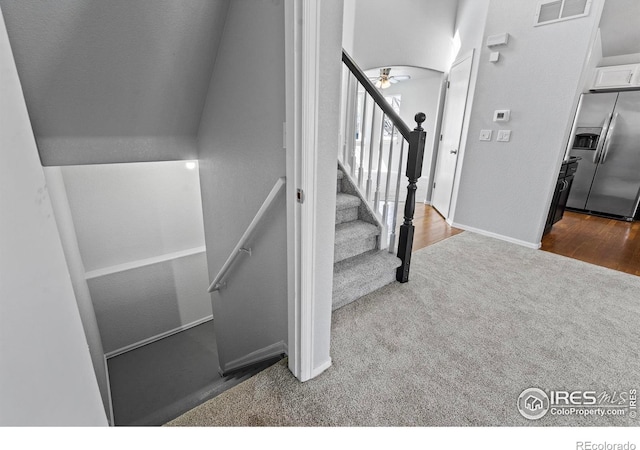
(414, 171)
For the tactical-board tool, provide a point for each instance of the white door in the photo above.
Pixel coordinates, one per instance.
(452, 120)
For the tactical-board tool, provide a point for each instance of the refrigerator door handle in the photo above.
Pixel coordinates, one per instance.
(609, 138)
(601, 142)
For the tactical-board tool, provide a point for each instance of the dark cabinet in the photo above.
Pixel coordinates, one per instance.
(561, 194)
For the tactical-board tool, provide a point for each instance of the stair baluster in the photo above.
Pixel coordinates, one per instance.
(376, 197)
(362, 138)
(392, 238)
(385, 209)
(382, 207)
(371, 139)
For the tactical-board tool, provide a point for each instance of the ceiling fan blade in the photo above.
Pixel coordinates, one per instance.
(401, 77)
(393, 80)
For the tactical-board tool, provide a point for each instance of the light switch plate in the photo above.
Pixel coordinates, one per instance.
(485, 135)
(504, 136)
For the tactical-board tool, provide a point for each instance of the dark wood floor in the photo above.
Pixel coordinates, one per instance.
(597, 240)
(430, 227)
(605, 242)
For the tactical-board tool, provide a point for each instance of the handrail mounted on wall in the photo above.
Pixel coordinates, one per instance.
(240, 247)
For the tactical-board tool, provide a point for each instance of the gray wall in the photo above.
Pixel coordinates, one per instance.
(506, 188)
(46, 374)
(135, 305)
(241, 157)
(124, 215)
(115, 81)
(403, 32)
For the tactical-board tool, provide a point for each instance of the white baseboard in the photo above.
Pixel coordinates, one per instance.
(157, 337)
(321, 368)
(498, 236)
(270, 351)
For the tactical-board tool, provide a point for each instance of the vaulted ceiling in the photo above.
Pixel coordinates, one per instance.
(114, 75)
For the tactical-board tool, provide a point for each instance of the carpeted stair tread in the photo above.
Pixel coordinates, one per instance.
(361, 275)
(359, 265)
(346, 201)
(353, 238)
(346, 232)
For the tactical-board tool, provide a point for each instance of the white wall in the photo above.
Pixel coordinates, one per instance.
(348, 28)
(64, 221)
(241, 157)
(506, 188)
(128, 212)
(46, 374)
(631, 58)
(124, 216)
(403, 32)
(469, 31)
(420, 94)
(593, 60)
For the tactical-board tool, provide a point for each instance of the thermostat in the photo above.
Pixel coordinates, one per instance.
(501, 115)
(498, 39)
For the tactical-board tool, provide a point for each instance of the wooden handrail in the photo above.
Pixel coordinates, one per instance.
(402, 127)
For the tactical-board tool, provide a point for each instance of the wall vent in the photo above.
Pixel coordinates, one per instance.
(559, 10)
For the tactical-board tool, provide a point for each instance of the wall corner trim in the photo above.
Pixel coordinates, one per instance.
(321, 368)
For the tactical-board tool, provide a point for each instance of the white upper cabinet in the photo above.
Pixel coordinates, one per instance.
(627, 75)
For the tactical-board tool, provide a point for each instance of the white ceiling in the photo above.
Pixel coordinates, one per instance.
(415, 73)
(114, 68)
(620, 27)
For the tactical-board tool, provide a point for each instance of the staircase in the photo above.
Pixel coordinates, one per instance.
(367, 201)
(360, 267)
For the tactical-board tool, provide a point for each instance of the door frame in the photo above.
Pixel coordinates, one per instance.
(463, 132)
(302, 44)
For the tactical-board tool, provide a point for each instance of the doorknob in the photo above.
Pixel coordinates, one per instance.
(454, 151)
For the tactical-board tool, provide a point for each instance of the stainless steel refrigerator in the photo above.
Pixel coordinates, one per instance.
(607, 139)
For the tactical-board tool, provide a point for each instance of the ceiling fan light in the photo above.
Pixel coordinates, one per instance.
(385, 84)
(378, 83)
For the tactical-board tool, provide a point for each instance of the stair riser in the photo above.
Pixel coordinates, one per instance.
(351, 293)
(346, 215)
(354, 248)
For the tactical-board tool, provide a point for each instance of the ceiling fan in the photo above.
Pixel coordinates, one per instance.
(385, 79)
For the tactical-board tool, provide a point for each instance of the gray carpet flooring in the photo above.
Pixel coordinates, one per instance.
(480, 321)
